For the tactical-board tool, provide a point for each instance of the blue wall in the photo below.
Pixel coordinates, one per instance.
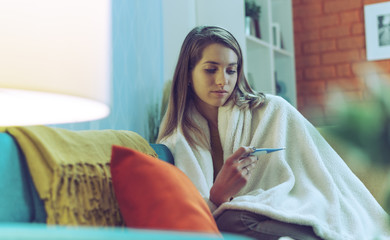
(137, 68)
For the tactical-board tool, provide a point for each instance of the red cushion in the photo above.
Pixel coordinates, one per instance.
(157, 195)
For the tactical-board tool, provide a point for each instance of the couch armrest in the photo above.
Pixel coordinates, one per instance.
(44, 232)
(19, 200)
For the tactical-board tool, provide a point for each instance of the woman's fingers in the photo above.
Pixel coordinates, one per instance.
(242, 160)
(239, 154)
(248, 162)
(251, 166)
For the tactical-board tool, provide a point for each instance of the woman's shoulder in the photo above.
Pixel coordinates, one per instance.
(275, 104)
(172, 140)
(275, 99)
(272, 100)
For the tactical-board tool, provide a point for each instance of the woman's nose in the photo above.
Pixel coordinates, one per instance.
(222, 79)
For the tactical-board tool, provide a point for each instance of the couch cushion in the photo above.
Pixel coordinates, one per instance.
(163, 152)
(157, 195)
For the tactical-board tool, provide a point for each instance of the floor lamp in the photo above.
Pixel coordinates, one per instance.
(55, 61)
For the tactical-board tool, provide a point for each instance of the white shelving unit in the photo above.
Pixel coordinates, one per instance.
(269, 65)
(264, 63)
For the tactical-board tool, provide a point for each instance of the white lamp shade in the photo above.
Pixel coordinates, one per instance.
(55, 61)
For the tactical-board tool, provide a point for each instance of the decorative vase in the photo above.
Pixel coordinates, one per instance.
(248, 26)
(252, 27)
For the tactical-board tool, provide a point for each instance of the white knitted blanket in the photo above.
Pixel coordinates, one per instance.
(307, 184)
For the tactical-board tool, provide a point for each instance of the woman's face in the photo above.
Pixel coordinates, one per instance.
(214, 76)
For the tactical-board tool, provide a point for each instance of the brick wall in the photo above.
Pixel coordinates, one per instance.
(330, 50)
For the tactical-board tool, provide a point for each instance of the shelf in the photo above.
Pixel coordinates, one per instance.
(282, 52)
(270, 68)
(255, 40)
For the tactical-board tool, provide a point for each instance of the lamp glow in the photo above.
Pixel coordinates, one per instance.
(55, 61)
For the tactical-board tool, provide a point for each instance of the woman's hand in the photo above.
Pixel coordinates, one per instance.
(233, 175)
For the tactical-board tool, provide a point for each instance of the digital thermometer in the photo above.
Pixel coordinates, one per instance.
(261, 151)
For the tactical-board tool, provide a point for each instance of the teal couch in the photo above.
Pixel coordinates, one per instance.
(23, 216)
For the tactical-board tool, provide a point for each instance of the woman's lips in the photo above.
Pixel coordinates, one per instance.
(220, 92)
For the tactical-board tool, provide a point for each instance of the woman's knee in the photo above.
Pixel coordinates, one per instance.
(228, 220)
(260, 226)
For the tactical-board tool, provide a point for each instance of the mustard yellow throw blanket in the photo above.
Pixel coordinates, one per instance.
(70, 170)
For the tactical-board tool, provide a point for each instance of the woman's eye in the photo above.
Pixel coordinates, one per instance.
(231, 71)
(211, 70)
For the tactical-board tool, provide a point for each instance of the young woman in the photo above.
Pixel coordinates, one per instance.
(213, 121)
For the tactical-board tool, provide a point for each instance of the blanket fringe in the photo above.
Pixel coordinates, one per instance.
(82, 194)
